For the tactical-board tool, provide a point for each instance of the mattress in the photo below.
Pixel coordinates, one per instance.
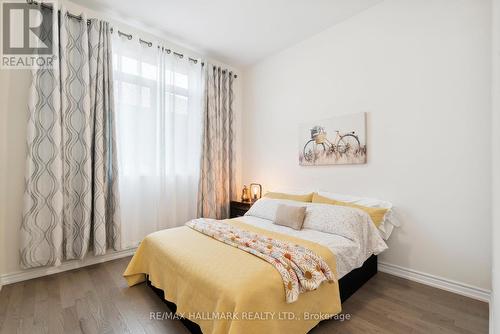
(348, 255)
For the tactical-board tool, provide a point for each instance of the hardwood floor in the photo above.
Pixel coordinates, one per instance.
(95, 299)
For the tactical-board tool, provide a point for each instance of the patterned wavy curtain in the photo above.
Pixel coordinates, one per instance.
(217, 178)
(71, 197)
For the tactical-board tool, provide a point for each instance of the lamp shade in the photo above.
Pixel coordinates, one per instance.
(255, 191)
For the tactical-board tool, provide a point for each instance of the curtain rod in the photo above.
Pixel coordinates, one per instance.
(150, 44)
(167, 50)
(129, 36)
(49, 7)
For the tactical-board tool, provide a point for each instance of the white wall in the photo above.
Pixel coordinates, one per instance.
(495, 305)
(421, 70)
(14, 88)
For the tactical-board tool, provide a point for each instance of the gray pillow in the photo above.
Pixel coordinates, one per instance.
(291, 216)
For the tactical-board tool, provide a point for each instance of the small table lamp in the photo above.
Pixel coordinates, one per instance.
(255, 191)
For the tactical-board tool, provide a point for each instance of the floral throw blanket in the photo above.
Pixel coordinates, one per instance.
(300, 268)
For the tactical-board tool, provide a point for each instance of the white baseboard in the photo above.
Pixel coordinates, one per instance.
(410, 274)
(23, 275)
(436, 281)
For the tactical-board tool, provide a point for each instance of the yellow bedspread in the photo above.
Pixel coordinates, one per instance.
(226, 290)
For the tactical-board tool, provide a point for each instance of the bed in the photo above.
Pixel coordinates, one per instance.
(208, 282)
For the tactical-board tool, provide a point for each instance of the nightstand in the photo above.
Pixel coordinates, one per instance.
(238, 208)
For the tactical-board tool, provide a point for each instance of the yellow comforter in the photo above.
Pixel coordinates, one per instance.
(227, 290)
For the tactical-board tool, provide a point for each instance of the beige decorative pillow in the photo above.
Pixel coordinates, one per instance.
(291, 197)
(291, 216)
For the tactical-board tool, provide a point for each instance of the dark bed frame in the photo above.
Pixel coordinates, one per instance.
(348, 284)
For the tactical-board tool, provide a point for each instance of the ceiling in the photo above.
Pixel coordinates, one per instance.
(238, 32)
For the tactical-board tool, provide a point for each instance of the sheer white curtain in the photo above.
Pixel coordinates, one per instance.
(158, 108)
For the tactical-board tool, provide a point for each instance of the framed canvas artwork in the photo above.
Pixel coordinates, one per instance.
(334, 141)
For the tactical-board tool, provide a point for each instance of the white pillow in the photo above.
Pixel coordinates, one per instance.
(370, 202)
(334, 219)
(390, 219)
(266, 207)
(353, 224)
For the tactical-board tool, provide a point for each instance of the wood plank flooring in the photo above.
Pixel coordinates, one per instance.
(96, 299)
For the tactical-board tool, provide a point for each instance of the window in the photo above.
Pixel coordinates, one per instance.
(158, 111)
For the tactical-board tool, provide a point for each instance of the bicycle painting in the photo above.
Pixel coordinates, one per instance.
(339, 140)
